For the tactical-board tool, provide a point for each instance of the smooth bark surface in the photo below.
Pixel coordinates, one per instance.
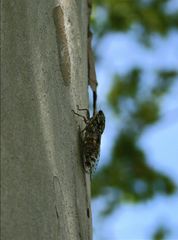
(43, 185)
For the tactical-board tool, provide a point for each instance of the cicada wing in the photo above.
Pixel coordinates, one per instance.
(94, 165)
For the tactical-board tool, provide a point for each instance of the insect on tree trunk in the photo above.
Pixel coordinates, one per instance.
(44, 189)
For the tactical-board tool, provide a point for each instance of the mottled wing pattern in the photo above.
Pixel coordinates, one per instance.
(91, 138)
(92, 141)
(91, 148)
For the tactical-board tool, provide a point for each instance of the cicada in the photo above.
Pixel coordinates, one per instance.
(91, 138)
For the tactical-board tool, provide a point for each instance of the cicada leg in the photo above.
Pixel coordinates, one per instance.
(84, 109)
(84, 118)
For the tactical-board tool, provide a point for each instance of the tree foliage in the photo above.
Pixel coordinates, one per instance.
(161, 233)
(128, 175)
(153, 16)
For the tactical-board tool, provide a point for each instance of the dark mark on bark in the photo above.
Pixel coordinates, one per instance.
(88, 212)
(56, 212)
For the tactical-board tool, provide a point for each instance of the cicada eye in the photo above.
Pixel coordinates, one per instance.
(100, 112)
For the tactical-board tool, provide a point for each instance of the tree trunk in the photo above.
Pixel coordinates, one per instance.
(44, 191)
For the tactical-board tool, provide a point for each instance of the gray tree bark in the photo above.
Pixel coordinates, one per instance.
(44, 191)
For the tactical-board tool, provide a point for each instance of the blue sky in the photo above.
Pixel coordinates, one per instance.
(120, 53)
